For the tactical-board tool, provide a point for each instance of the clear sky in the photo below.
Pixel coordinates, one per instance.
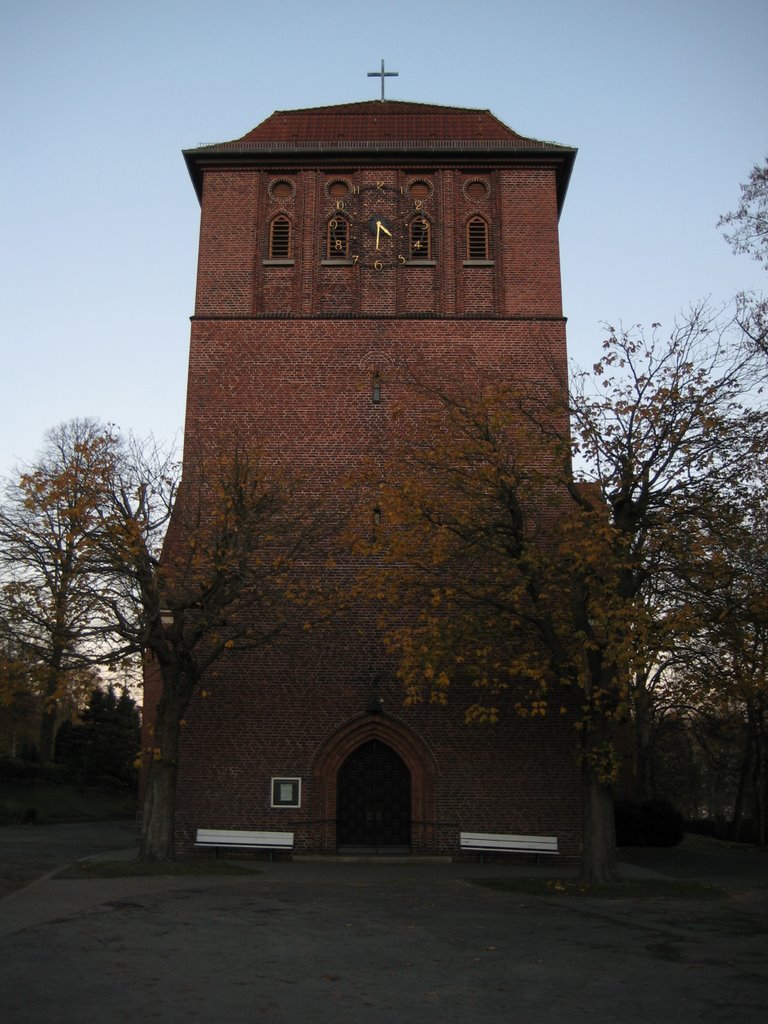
(666, 100)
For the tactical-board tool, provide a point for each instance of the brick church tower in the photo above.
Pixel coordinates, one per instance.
(335, 242)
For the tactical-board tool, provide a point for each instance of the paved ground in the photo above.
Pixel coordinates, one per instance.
(28, 852)
(360, 944)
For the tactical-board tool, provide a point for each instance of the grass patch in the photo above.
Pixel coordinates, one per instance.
(15, 875)
(634, 888)
(57, 804)
(152, 869)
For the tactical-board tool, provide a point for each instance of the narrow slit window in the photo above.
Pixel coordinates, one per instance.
(337, 247)
(375, 525)
(420, 236)
(376, 388)
(280, 239)
(477, 239)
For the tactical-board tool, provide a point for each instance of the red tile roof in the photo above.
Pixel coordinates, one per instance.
(381, 121)
(382, 130)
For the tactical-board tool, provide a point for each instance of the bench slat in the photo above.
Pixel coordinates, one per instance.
(244, 839)
(493, 842)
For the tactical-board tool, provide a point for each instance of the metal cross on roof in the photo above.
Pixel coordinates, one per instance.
(382, 75)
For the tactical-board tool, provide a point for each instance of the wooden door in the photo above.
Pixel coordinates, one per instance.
(374, 801)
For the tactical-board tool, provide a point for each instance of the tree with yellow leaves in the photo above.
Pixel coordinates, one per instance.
(535, 562)
(48, 517)
(107, 555)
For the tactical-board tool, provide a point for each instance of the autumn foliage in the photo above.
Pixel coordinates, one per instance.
(551, 570)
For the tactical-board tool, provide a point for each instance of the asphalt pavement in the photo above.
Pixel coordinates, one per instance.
(368, 943)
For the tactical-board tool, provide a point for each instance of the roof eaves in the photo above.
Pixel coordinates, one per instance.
(520, 147)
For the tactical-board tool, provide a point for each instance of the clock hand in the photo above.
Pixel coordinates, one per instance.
(379, 229)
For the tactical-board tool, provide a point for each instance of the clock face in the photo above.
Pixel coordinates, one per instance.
(379, 226)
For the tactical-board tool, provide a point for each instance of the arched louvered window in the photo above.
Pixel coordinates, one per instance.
(337, 244)
(477, 239)
(420, 239)
(280, 239)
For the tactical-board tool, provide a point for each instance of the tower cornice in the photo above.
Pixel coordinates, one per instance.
(380, 133)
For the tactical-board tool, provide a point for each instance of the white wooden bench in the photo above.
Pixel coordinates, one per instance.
(487, 842)
(236, 839)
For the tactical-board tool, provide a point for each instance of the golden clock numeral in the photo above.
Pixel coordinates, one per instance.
(418, 203)
(355, 257)
(337, 245)
(334, 224)
(402, 259)
(355, 190)
(340, 204)
(380, 185)
(378, 265)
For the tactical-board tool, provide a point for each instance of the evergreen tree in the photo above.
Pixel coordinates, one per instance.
(105, 742)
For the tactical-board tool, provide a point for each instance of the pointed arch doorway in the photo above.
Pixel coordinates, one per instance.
(374, 789)
(373, 804)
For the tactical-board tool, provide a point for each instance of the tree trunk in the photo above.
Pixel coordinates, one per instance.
(50, 713)
(761, 779)
(47, 732)
(598, 858)
(159, 813)
(745, 771)
(641, 734)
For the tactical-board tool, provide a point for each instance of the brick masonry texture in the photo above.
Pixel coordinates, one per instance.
(236, 278)
(282, 356)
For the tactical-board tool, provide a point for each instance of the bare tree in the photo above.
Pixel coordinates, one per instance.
(190, 573)
(748, 233)
(748, 223)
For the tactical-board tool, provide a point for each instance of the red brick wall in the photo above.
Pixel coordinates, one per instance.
(271, 714)
(283, 356)
(235, 279)
(304, 386)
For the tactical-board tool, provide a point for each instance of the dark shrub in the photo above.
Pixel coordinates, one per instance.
(54, 773)
(655, 823)
(14, 769)
(103, 743)
(708, 827)
(29, 752)
(111, 784)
